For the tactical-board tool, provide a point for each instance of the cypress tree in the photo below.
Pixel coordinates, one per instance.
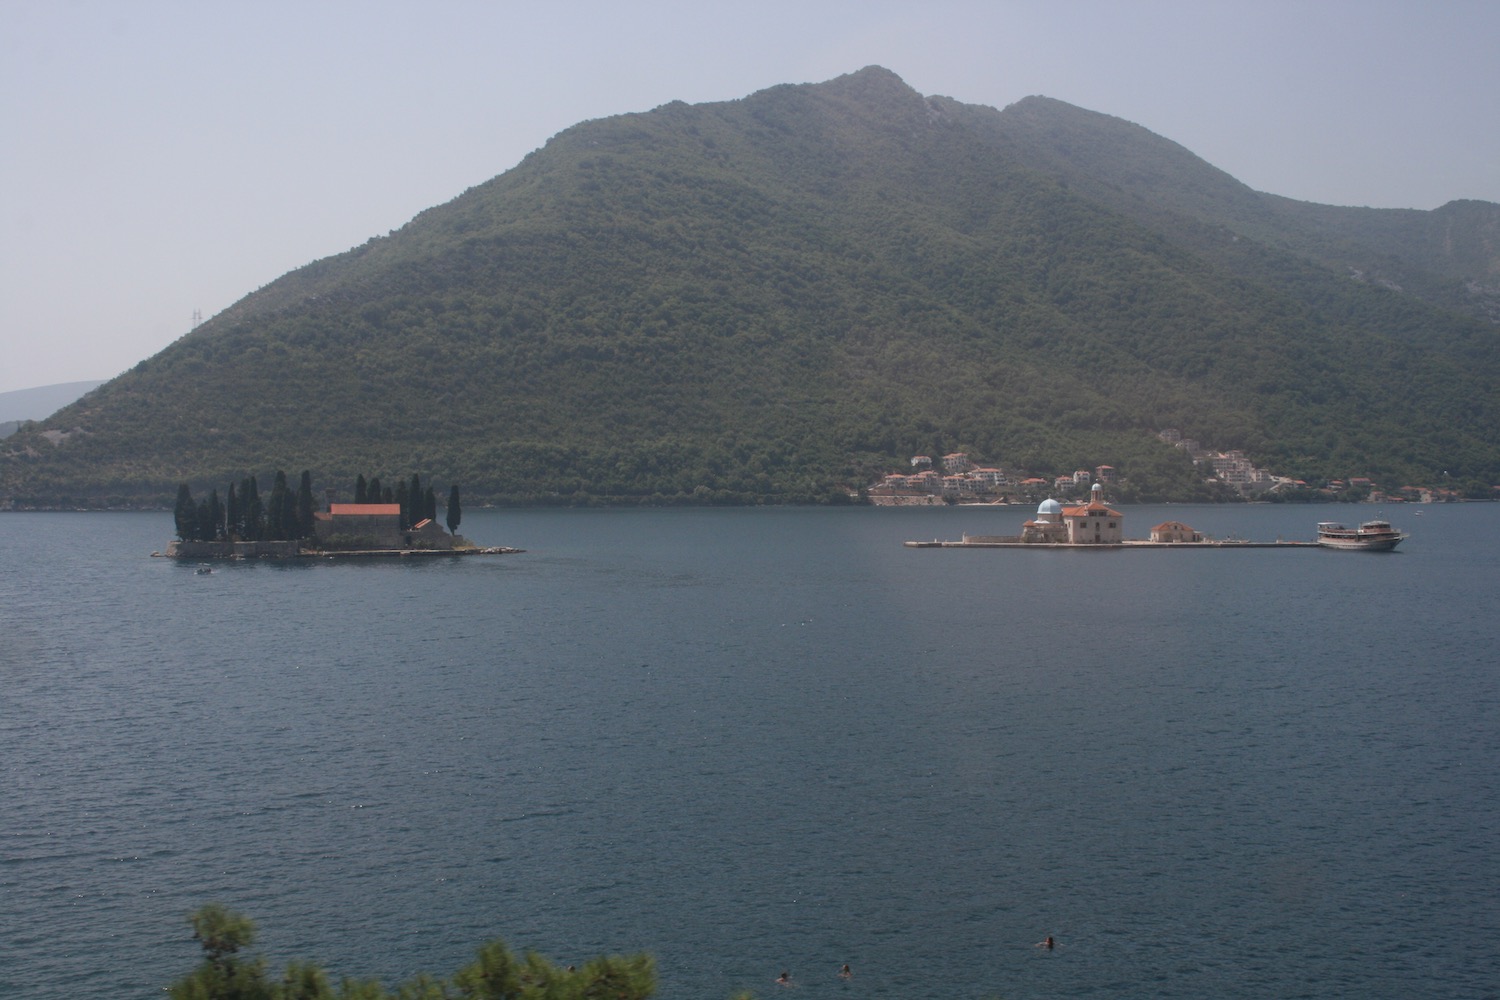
(372, 491)
(305, 506)
(361, 490)
(252, 512)
(185, 514)
(216, 517)
(429, 505)
(276, 526)
(455, 513)
(414, 501)
(405, 502)
(203, 531)
(244, 510)
(232, 513)
(290, 529)
(255, 520)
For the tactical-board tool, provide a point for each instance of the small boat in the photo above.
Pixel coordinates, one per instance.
(1371, 536)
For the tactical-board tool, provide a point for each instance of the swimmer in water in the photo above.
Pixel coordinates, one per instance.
(785, 979)
(846, 972)
(1049, 944)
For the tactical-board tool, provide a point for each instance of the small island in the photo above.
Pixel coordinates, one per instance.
(1095, 525)
(382, 521)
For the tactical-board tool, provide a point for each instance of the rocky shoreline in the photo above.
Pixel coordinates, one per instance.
(204, 551)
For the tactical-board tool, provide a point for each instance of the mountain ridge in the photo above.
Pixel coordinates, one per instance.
(774, 297)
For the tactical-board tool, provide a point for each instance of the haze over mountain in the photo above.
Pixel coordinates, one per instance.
(775, 297)
(20, 405)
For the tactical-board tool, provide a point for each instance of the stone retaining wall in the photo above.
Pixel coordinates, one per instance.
(233, 550)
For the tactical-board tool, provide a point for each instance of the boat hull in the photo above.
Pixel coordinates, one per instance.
(1361, 544)
(1372, 536)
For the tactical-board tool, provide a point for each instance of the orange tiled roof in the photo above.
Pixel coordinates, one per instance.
(364, 509)
(1090, 508)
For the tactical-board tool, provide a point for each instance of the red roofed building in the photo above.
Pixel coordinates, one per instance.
(375, 526)
(1174, 532)
(1094, 523)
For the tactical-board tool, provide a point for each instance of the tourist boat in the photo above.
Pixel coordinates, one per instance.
(1372, 536)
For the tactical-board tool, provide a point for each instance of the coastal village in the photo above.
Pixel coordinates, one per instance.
(957, 479)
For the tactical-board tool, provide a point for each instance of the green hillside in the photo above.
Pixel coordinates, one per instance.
(778, 297)
(1449, 257)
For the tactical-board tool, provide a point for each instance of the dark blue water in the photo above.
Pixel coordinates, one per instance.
(756, 740)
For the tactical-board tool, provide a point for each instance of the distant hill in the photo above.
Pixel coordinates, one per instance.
(774, 298)
(20, 405)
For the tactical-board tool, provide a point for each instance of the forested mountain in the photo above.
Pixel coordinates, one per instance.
(775, 297)
(1449, 257)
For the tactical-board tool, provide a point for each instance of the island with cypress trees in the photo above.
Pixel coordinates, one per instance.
(381, 521)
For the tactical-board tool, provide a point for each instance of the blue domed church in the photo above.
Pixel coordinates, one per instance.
(1092, 523)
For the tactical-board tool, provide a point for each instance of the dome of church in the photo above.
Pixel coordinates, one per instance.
(1048, 509)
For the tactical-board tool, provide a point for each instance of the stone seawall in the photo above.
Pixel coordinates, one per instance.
(914, 500)
(198, 551)
(233, 550)
(1132, 544)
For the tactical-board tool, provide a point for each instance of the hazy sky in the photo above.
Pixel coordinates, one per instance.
(158, 158)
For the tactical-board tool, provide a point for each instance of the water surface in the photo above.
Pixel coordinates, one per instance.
(764, 739)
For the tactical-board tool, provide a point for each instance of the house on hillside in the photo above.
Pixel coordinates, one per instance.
(989, 478)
